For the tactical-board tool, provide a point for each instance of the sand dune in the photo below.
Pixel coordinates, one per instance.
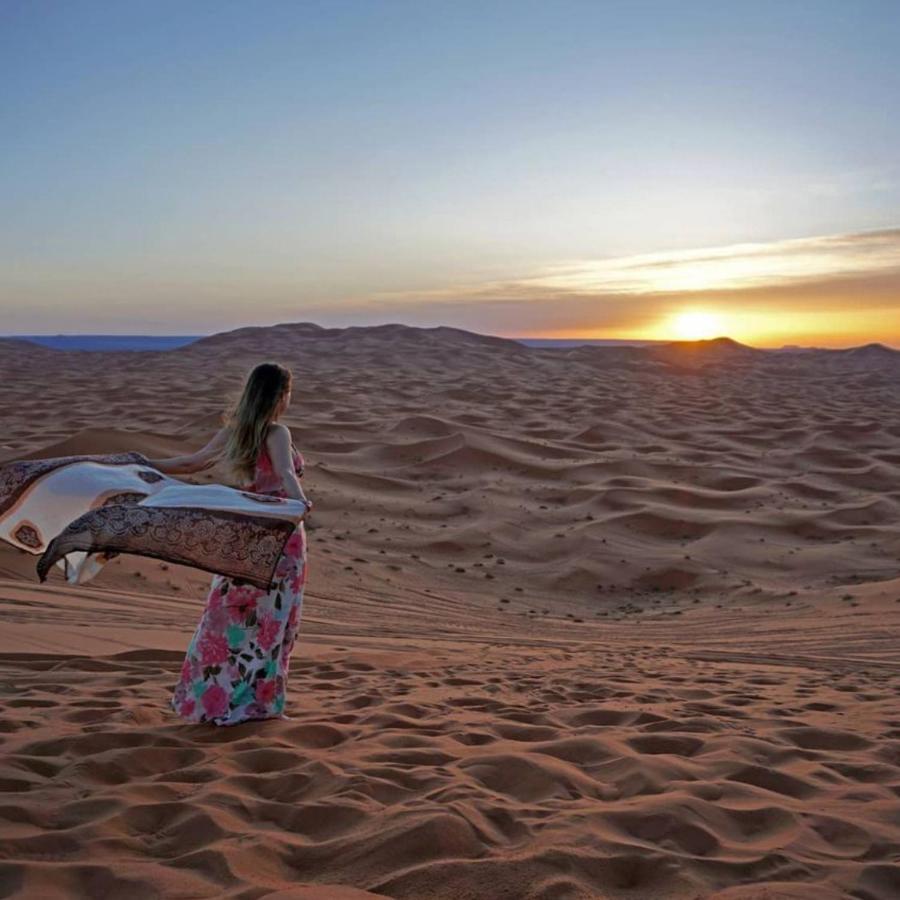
(601, 622)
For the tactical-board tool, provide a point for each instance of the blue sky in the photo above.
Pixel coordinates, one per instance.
(189, 167)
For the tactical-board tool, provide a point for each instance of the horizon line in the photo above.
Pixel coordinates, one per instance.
(569, 340)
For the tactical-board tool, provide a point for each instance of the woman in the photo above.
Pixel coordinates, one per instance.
(236, 666)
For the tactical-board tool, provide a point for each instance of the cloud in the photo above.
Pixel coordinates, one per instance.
(729, 268)
(769, 292)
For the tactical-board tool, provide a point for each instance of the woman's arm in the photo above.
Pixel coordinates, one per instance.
(278, 443)
(204, 458)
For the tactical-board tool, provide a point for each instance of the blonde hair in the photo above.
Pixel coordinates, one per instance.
(251, 415)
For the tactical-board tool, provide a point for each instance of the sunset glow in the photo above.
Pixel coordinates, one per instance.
(832, 290)
(763, 328)
(696, 325)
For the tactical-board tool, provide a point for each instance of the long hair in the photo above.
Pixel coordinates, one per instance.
(250, 417)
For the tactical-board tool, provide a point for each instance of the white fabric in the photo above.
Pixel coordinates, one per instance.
(60, 496)
(53, 494)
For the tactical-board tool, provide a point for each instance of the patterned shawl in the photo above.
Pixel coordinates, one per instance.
(81, 511)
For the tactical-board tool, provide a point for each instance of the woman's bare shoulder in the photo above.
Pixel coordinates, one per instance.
(278, 428)
(278, 435)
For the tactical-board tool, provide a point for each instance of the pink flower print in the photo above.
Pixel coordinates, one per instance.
(239, 611)
(216, 619)
(265, 691)
(187, 707)
(293, 616)
(213, 649)
(268, 631)
(284, 567)
(236, 594)
(215, 701)
(299, 579)
(294, 544)
(186, 670)
(214, 601)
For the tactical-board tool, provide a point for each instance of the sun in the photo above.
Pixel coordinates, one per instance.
(696, 325)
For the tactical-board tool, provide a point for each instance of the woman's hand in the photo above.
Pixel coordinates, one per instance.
(190, 463)
(179, 465)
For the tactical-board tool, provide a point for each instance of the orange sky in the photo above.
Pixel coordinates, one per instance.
(829, 291)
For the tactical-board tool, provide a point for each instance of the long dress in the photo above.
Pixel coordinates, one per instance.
(236, 666)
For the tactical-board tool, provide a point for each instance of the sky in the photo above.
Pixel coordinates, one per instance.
(596, 169)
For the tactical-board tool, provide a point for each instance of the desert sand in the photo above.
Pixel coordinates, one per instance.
(606, 622)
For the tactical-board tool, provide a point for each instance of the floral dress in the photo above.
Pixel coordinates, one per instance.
(236, 667)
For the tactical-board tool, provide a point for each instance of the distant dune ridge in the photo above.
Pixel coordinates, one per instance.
(109, 341)
(581, 622)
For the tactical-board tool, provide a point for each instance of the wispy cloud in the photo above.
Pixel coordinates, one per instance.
(830, 289)
(715, 269)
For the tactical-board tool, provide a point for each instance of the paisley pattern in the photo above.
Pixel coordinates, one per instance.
(215, 540)
(236, 666)
(123, 498)
(149, 476)
(28, 535)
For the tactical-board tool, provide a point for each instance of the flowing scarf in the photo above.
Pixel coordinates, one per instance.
(81, 511)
